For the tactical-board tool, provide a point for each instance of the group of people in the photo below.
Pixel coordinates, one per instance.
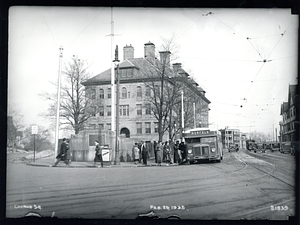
(167, 152)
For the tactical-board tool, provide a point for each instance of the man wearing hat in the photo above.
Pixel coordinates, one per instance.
(98, 154)
(62, 156)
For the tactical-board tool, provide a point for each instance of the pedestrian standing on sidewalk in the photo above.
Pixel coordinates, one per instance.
(98, 154)
(63, 155)
(182, 148)
(135, 153)
(144, 153)
(154, 147)
(140, 151)
(176, 152)
(159, 153)
(167, 151)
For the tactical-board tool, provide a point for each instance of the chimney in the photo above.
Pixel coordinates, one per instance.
(149, 50)
(176, 67)
(128, 52)
(165, 57)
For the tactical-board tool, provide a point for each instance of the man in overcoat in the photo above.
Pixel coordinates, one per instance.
(63, 156)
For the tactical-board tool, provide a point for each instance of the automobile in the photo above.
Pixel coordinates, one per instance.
(233, 147)
(260, 147)
(267, 146)
(286, 147)
(252, 147)
(275, 146)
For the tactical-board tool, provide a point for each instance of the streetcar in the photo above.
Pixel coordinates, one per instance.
(203, 144)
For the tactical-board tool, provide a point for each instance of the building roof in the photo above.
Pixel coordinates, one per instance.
(143, 70)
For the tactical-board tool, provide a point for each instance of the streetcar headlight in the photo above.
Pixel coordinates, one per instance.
(190, 151)
(213, 149)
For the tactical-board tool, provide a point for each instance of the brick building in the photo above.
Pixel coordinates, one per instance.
(289, 110)
(136, 118)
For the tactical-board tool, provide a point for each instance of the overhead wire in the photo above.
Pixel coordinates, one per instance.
(48, 27)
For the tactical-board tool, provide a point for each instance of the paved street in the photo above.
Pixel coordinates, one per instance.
(243, 186)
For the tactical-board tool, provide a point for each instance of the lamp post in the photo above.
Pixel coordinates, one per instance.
(117, 158)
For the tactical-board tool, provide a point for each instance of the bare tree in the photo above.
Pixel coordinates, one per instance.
(40, 142)
(165, 86)
(75, 104)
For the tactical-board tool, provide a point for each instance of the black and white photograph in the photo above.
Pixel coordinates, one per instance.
(152, 113)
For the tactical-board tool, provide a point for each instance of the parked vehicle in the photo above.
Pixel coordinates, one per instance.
(261, 147)
(286, 147)
(233, 147)
(267, 146)
(250, 145)
(275, 146)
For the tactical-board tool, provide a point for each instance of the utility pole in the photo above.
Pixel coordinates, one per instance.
(182, 114)
(117, 159)
(112, 75)
(58, 103)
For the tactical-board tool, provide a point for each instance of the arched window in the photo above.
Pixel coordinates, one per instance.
(124, 92)
(148, 91)
(109, 93)
(139, 92)
(101, 94)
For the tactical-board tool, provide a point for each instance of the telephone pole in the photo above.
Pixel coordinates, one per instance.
(117, 158)
(58, 102)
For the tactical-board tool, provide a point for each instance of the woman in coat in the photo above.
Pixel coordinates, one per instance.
(159, 153)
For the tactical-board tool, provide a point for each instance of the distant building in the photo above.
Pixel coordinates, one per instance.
(135, 110)
(231, 136)
(289, 111)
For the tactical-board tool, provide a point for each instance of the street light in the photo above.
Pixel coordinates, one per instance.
(117, 159)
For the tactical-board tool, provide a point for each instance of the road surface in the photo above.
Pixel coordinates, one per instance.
(243, 186)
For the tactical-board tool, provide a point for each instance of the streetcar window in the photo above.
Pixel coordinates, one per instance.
(200, 140)
(208, 139)
(192, 140)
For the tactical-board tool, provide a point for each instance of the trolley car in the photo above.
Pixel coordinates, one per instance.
(203, 144)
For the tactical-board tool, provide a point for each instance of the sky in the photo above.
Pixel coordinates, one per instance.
(244, 59)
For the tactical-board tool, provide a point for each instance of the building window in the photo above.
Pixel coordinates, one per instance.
(124, 110)
(101, 94)
(155, 127)
(148, 128)
(108, 126)
(92, 126)
(138, 128)
(138, 92)
(92, 93)
(124, 92)
(101, 126)
(139, 109)
(101, 110)
(148, 109)
(109, 93)
(108, 110)
(148, 91)
(93, 110)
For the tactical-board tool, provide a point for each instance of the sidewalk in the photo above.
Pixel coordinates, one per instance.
(48, 161)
